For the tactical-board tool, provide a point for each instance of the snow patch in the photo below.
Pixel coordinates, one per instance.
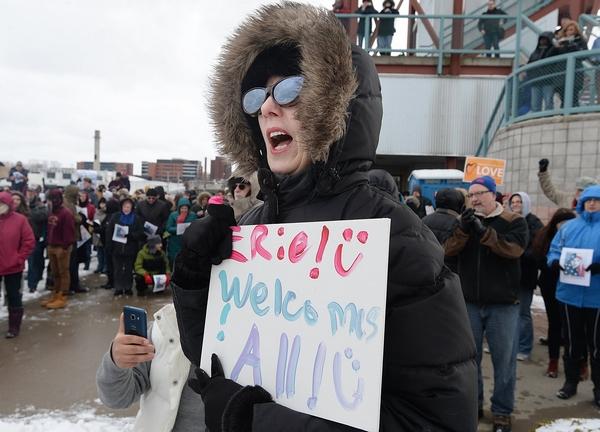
(538, 303)
(571, 425)
(78, 420)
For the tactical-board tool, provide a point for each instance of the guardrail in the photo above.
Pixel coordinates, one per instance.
(560, 85)
(441, 35)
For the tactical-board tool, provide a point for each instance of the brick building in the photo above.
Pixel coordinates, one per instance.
(122, 167)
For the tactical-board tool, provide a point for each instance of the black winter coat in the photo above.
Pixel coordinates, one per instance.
(491, 25)
(442, 223)
(360, 30)
(134, 239)
(157, 213)
(529, 263)
(429, 370)
(534, 75)
(489, 266)
(38, 219)
(386, 25)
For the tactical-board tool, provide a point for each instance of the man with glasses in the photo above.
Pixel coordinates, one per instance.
(153, 212)
(489, 242)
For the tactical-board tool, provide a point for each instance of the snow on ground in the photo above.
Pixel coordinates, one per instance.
(571, 425)
(85, 419)
(538, 303)
(80, 419)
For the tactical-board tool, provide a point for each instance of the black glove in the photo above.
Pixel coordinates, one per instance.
(543, 163)
(205, 242)
(594, 268)
(466, 219)
(555, 266)
(227, 405)
(478, 227)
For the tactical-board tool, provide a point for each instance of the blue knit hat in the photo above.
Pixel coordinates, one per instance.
(486, 181)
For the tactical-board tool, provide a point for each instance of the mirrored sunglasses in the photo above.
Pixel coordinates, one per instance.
(285, 92)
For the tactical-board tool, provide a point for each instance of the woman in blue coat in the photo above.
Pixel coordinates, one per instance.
(581, 304)
(182, 215)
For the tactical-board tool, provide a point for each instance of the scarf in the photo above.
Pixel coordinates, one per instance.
(127, 219)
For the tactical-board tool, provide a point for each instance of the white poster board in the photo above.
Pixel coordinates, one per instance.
(300, 310)
(85, 236)
(181, 227)
(83, 211)
(160, 283)
(150, 229)
(575, 261)
(120, 233)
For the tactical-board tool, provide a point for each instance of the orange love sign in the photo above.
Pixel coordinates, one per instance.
(478, 167)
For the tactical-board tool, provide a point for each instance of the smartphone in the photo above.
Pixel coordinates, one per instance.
(135, 320)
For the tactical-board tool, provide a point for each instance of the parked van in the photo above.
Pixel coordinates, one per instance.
(432, 180)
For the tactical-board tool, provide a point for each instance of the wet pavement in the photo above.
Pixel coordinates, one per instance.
(52, 364)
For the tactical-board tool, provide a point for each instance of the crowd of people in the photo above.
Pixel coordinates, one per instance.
(541, 84)
(310, 144)
(502, 252)
(135, 236)
(472, 274)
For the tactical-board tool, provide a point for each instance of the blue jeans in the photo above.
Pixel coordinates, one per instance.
(384, 42)
(525, 321)
(492, 41)
(499, 324)
(101, 261)
(35, 265)
(539, 93)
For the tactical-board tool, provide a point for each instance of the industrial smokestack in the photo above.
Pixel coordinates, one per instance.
(97, 150)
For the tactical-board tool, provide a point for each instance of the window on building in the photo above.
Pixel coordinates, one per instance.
(66, 176)
(51, 175)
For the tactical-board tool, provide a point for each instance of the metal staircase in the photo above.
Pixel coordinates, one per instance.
(472, 37)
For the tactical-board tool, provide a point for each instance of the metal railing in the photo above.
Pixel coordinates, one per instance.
(561, 85)
(435, 44)
(472, 37)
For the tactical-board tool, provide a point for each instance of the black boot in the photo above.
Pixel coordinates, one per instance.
(15, 316)
(569, 389)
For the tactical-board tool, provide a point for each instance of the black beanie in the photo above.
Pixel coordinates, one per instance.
(281, 60)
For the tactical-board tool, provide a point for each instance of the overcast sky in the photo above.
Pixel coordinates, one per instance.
(137, 70)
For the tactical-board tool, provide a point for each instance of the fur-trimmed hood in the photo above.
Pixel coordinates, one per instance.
(341, 96)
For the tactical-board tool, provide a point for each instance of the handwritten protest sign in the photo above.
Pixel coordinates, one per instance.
(477, 167)
(300, 310)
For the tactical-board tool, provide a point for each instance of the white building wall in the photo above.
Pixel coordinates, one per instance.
(430, 115)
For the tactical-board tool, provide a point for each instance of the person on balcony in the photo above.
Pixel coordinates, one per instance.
(365, 9)
(386, 27)
(568, 40)
(542, 88)
(492, 29)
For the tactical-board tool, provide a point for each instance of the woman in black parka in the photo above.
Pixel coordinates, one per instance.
(313, 154)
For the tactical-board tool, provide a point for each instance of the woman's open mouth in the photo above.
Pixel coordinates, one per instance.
(279, 140)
